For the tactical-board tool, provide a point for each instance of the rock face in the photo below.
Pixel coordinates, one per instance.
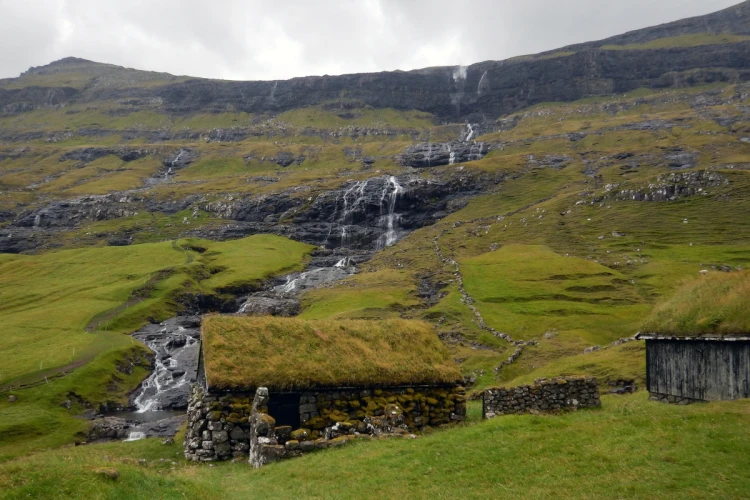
(429, 154)
(674, 186)
(489, 88)
(87, 155)
(270, 306)
(370, 214)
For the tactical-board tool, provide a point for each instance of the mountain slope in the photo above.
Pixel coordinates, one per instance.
(487, 89)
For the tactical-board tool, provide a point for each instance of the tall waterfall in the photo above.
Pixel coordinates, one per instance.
(354, 199)
(388, 216)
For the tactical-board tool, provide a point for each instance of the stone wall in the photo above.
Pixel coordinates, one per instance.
(269, 443)
(672, 399)
(421, 407)
(231, 425)
(544, 396)
(218, 425)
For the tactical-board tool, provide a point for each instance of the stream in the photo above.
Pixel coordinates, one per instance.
(156, 405)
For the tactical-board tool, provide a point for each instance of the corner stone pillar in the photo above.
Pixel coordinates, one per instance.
(264, 447)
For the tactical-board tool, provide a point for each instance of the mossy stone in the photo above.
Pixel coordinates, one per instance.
(301, 434)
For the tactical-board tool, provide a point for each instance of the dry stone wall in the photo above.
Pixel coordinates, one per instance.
(232, 425)
(421, 407)
(544, 396)
(218, 426)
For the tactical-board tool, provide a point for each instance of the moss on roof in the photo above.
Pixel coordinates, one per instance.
(290, 353)
(715, 304)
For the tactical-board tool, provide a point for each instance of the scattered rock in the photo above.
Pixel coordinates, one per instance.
(107, 472)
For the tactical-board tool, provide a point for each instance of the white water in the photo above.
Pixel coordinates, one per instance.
(388, 217)
(345, 262)
(481, 81)
(459, 73)
(135, 436)
(469, 132)
(161, 379)
(476, 151)
(354, 199)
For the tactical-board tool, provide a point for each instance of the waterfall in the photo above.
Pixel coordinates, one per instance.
(388, 216)
(452, 155)
(481, 81)
(163, 378)
(354, 198)
(475, 152)
(345, 262)
(469, 132)
(135, 436)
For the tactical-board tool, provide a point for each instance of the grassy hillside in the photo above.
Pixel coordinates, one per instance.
(631, 448)
(66, 315)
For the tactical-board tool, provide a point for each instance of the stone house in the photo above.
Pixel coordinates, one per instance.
(685, 369)
(272, 388)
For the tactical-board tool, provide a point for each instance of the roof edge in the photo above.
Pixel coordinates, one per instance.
(705, 337)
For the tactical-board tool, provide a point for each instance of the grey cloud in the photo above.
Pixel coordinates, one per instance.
(255, 39)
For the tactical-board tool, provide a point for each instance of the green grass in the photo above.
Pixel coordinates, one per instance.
(292, 353)
(333, 117)
(381, 294)
(713, 304)
(527, 290)
(631, 448)
(47, 301)
(692, 40)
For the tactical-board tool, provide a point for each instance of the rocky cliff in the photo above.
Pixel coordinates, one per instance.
(481, 91)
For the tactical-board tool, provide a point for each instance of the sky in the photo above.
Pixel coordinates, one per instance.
(279, 39)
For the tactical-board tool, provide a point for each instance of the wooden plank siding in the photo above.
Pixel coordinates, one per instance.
(703, 370)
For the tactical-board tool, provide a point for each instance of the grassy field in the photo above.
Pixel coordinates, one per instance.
(49, 300)
(631, 448)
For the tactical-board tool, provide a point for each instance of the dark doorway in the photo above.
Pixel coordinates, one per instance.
(284, 408)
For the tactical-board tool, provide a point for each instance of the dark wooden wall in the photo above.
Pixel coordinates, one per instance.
(705, 370)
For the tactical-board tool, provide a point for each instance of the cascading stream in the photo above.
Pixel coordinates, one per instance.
(388, 216)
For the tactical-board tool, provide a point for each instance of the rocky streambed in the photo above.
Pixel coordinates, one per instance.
(157, 407)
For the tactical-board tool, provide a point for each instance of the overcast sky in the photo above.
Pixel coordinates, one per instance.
(278, 39)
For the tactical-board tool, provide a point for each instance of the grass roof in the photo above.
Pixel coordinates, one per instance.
(718, 303)
(291, 353)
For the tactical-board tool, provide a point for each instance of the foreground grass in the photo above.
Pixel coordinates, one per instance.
(631, 448)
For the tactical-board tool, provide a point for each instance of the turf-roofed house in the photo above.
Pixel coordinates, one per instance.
(698, 348)
(275, 388)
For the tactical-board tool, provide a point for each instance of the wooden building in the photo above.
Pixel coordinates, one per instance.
(700, 368)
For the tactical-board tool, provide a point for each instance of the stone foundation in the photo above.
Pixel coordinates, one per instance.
(230, 425)
(421, 407)
(269, 443)
(544, 396)
(672, 399)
